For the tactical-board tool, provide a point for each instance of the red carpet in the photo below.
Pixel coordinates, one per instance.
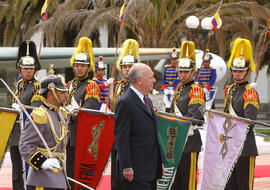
(105, 182)
(262, 171)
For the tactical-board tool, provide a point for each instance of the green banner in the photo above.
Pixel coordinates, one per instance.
(172, 135)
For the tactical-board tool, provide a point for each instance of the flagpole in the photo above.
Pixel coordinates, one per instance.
(207, 44)
(260, 58)
(181, 117)
(114, 59)
(41, 39)
(249, 121)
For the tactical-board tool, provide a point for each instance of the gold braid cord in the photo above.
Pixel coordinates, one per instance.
(228, 97)
(71, 93)
(177, 95)
(116, 95)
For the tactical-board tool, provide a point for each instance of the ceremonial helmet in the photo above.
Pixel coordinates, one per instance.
(99, 64)
(174, 54)
(52, 82)
(207, 57)
(241, 55)
(27, 56)
(129, 54)
(187, 61)
(84, 54)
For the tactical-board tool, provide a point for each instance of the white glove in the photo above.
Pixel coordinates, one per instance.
(16, 107)
(253, 85)
(196, 82)
(50, 163)
(109, 81)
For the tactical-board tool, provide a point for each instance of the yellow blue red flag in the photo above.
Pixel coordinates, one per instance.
(122, 11)
(7, 120)
(44, 10)
(216, 21)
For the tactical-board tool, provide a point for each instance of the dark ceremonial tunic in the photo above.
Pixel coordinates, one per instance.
(243, 101)
(26, 93)
(86, 94)
(188, 98)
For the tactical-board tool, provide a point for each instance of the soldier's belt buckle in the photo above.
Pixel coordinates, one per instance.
(169, 83)
(204, 84)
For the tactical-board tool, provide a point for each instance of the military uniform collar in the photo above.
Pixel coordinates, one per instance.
(83, 80)
(51, 107)
(242, 84)
(29, 81)
(188, 84)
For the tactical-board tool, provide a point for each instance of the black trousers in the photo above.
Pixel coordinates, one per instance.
(116, 183)
(42, 188)
(144, 185)
(17, 168)
(186, 174)
(242, 177)
(70, 163)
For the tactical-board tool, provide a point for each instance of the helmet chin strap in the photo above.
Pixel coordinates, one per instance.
(244, 78)
(188, 77)
(52, 88)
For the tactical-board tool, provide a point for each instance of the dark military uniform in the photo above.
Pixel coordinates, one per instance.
(54, 131)
(188, 98)
(243, 101)
(26, 92)
(120, 87)
(85, 93)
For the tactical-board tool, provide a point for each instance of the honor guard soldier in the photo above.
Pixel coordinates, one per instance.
(188, 98)
(206, 77)
(83, 92)
(168, 77)
(102, 83)
(243, 101)
(26, 90)
(128, 57)
(47, 170)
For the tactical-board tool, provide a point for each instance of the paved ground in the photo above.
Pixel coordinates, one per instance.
(262, 183)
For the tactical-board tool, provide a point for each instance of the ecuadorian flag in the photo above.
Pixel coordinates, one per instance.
(44, 10)
(216, 21)
(122, 11)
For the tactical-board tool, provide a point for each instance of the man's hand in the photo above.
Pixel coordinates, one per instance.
(128, 174)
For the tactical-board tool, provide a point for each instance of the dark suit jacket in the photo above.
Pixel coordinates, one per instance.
(136, 138)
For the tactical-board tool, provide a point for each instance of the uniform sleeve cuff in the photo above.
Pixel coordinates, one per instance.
(37, 160)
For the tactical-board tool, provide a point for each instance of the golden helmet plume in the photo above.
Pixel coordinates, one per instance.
(129, 53)
(241, 55)
(84, 53)
(187, 60)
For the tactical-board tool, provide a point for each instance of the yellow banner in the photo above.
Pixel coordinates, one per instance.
(7, 120)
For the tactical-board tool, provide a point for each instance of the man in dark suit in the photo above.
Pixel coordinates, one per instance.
(139, 158)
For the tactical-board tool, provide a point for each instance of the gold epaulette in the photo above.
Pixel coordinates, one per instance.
(92, 91)
(36, 160)
(250, 97)
(39, 115)
(196, 95)
(37, 98)
(70, 82)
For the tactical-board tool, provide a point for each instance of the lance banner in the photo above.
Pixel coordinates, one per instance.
(95, 137)
(172, 135)
(7, 120)
(224, 143)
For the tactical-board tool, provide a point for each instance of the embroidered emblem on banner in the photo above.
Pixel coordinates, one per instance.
(227, 126)
(93, 147)
(172, 133)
